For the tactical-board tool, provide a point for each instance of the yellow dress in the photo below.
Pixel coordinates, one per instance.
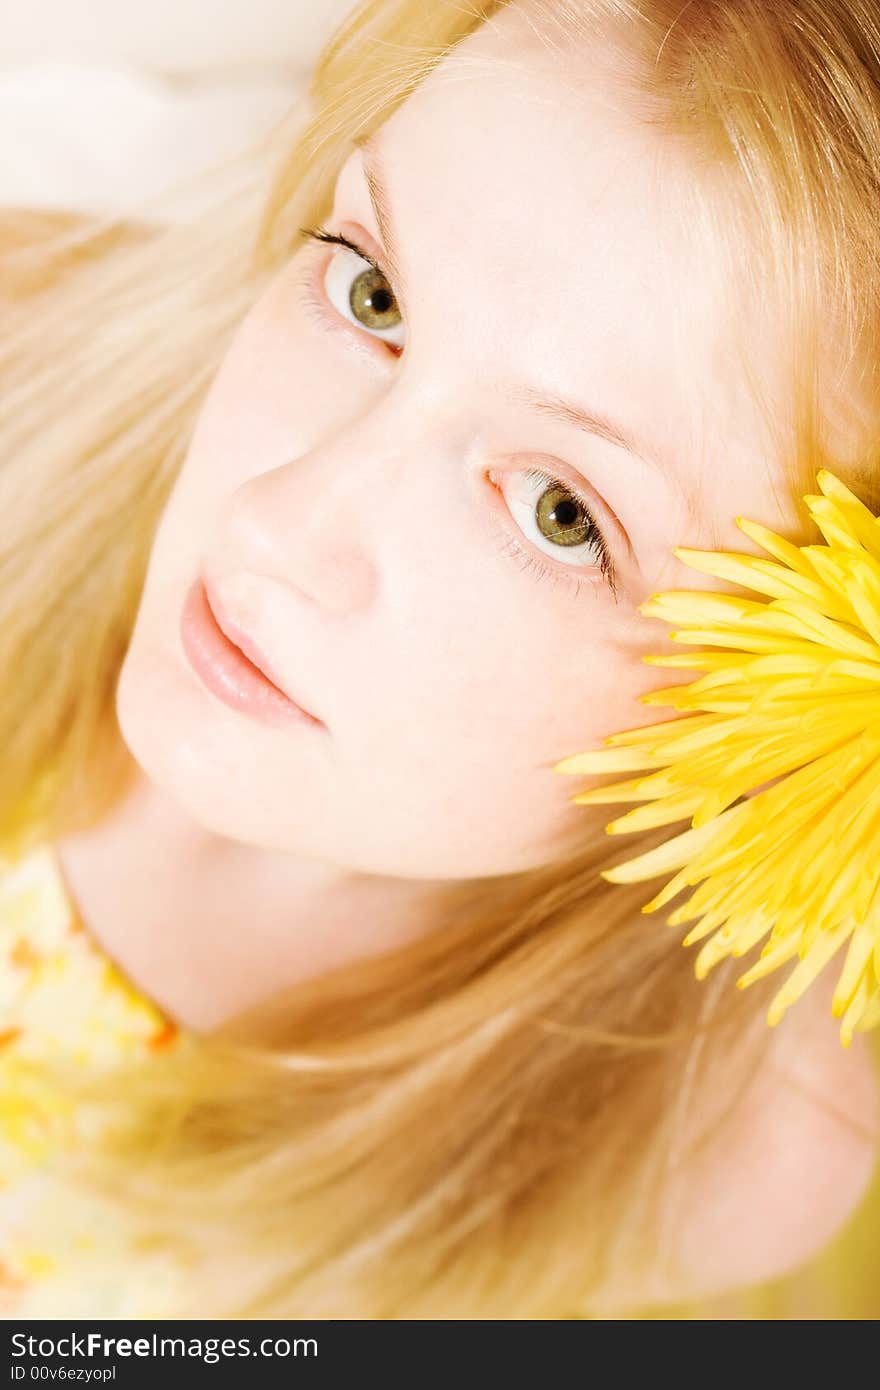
(59, 990)
(71, 1259)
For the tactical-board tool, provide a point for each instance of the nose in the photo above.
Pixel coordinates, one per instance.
(313, 522)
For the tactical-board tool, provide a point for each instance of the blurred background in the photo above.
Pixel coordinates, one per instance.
(106, 105)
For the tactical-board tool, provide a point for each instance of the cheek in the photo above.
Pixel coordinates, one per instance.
(468, 714)
(282, 388)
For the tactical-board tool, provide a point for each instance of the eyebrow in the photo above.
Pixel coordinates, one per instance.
(602, 427)
(553, 406)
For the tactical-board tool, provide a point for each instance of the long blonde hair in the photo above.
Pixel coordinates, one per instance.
(479, 1123)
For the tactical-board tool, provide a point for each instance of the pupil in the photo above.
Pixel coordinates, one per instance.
(565, 512)
(380, 301)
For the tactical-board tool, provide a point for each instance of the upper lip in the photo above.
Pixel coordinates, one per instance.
(246, 644)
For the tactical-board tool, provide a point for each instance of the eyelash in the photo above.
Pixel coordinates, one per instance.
(533, 560)
(566, 574)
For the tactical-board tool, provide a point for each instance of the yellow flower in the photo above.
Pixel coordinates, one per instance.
(791, 697)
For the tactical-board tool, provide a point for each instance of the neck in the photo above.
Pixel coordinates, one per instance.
(206, 926)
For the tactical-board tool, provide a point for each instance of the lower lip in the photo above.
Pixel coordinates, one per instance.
(227, 672)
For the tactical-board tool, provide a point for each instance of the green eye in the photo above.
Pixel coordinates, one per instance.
(362, 295)
(556, 520)
(561, 518)
(371, 300)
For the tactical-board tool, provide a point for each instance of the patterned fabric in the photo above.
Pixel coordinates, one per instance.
(60, 992)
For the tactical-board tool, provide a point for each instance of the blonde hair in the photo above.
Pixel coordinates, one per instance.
(446, 1130)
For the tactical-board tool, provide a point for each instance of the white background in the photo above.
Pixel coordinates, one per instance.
(107, 104)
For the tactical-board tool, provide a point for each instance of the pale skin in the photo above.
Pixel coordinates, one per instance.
(359, 498)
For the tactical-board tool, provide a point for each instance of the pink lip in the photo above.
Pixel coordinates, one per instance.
(226, 662)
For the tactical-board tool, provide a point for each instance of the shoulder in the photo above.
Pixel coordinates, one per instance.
(778, 1174)
(782, 1174)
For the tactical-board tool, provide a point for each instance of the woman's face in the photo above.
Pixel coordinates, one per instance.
(434, 494)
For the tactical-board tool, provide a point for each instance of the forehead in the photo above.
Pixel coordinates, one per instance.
(551, 236)
(563, 242)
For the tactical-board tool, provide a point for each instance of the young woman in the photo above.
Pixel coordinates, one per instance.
(326, 520)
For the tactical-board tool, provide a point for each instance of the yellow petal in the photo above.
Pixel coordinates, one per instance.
(764, 576)
(870, 1012)
(634, 789)
(663, 812)
(781, 549)
(662, 858)
(854, 1016)
(771, 959)
(599, 761)
(806, 971)
(857, 958)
